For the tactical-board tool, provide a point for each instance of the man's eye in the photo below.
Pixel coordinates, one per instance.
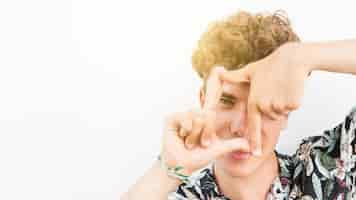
(227, 102)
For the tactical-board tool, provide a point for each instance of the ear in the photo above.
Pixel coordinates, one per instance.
(201, 96)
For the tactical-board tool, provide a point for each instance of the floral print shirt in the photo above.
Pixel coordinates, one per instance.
(322, 168)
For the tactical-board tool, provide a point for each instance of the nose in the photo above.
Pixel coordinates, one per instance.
(238, 124)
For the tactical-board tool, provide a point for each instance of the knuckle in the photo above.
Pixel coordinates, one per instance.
(294, 104)
(264, 109)
(265, 105)
(278, 106)
(182, 132)
(189, 139)
(191, 135)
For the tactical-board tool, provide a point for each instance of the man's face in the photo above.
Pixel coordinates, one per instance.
(231, 121)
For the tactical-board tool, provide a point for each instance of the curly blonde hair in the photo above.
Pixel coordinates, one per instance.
(240, 39)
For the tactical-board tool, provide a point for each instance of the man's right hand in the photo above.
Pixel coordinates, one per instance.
(189, 138)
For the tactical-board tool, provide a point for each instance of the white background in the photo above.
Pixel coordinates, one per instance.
(85, 85)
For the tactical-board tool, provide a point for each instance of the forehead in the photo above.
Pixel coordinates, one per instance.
(237, 89)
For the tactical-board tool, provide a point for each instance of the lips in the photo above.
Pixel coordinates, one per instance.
(240, 155)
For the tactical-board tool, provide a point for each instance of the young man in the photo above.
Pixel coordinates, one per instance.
(244, 106)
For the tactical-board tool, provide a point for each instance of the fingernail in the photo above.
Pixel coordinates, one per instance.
(257, 152)
(190, 145)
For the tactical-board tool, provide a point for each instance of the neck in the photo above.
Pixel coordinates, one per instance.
(254, 186)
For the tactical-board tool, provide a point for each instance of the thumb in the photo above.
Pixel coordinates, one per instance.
(236, 76)
(230, 145)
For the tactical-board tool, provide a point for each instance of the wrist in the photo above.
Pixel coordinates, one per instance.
(315, 56)
(163, 173)
(302, 55)
(176, 171)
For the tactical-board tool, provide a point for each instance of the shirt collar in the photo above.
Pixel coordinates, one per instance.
(280, 186)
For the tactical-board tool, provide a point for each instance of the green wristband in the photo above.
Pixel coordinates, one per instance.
(174, 171)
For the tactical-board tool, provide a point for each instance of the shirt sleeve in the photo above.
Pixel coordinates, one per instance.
(326, 162)
(201, 185)
(341, 142)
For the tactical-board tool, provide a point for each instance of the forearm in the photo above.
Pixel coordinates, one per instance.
(333, 56)
(155, 184)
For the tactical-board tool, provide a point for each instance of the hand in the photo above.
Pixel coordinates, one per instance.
(189, 139)
(276, 88)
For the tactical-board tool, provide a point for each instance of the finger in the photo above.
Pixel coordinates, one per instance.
(282, 114)
(270, 113)
(182, 132)
(292, 106)
(173, 123)
(187, 121)
(198, 127)
(254, 128)
(213, 89)
(230, 145)
(293, 101)
(236, 76)
(184, 121)
(209, 131)
(278, 108)
(286, 113)
(213, 93)
(192, 139)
